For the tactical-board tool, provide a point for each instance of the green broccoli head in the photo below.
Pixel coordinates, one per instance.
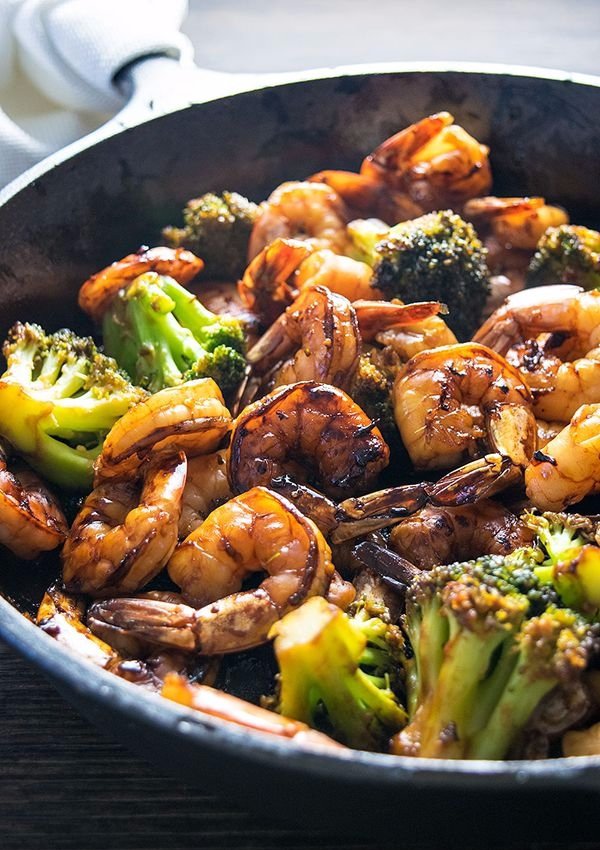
(162, 336)
(487, 643)
(337, 673)
(571, 564)
(566, 254)
(217, 228)
(59, 397)
(436, 257)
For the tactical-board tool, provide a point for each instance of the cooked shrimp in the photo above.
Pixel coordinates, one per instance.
(98, 291)
(311, 431)
(31, 518)
(410, 339)
(459, 401)
(223, 706)
(343, 275)
(443, 535)
(514, 222)
(122, 538)
(223, 299)
(307, 211)
(258, 531)
(269, 283)
(206, 487)
(61, 617)
(322, 328)
(326, 332)
(434, 162)
(191, 417)
(568, 468)
(368, 196)
(552, 335)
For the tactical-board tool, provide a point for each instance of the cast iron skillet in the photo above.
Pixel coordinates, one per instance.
(80, 210)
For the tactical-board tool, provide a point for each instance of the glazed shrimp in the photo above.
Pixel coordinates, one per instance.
(326, 331)
(367, 196)
(552, 335)
(310, 431)
(191, 417)
(268, 285)
(568, 468)
(514, 222)
(206, 487)
(434, 162)
(31, 518)
(322, 328)
(342, 275)
(301, 210)
(61, 616)
(223, 706)
(443, 535)
(410, 339)
(258, 531)
(98, 291)
(459, 401)
(121, 538)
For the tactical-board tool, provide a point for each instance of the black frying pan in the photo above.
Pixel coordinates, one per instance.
(84, 208)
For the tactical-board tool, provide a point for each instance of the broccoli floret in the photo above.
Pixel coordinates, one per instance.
(487, 645)
(59, 397)
(435, 257)
(162, 336)
(337, 672)
(566, 254)
(217, 228)
(571, 565)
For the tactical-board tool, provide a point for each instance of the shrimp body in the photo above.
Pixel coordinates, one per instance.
(437, 535)
(460, 401)
(31, 519)
(99, 290)
(191, 417)
(258, 531)
(343, 275)
(322, 329)
(552, 335)
(434, 162)
(568, 468)
(122, 538)
(412, 338)
(309, 431)
(269, 283)
(206, 487)
(515, 222)
(301, 210)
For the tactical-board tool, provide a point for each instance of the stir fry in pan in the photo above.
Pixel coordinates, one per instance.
(351, 433)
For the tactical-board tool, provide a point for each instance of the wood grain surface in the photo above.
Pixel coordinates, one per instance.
(64, 786)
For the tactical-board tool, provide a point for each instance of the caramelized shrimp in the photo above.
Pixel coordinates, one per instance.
(99, 290)
(191, 417)
(459, 401)
(514, 222)
(121, 537)
(326, 332)
(434, 162)
(301, 210)
(258, 531)
(410, 339)
(310, 431)
(568, 468)
(322, 328)
(552, 335)
(443, 535)
(342, 275)
(268, 285)
(31, 519)
(223, 706)
(367, 196)
(206, 487)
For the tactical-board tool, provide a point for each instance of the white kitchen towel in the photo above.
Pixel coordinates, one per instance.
(58, 59)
